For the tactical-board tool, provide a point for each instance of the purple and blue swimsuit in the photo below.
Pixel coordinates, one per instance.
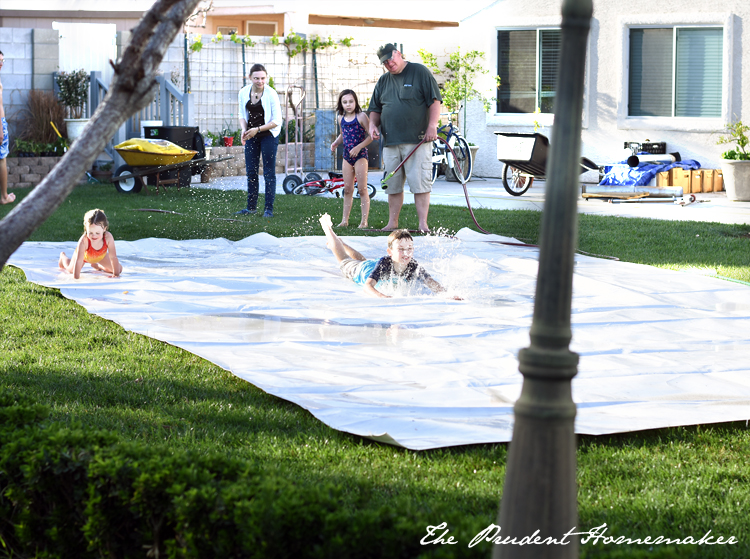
(353, 135)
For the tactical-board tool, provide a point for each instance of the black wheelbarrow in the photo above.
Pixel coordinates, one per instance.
(525, 159)
(130, 177)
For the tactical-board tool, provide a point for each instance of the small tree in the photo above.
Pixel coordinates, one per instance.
(460, 72)
(74, 90)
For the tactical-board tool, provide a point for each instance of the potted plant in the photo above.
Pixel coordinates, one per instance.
(74, 93)
(735, 163)
(227, 138)
(102, 170)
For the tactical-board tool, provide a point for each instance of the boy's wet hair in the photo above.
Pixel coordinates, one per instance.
(397, 235)
(95, 217)
(340, 105)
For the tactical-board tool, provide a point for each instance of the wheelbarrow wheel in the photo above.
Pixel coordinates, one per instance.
(290, 183)
(311, 177)
(128, 185)
(515, 181)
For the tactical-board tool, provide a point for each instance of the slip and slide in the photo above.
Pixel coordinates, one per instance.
(658, 348)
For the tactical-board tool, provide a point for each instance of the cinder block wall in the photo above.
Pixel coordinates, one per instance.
(45, 56)
(16, 45)
(31, 55)
(25, 172)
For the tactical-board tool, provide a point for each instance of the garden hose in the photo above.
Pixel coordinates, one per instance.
(460, 173)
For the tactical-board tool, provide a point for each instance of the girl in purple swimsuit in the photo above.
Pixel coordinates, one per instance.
(354, 125)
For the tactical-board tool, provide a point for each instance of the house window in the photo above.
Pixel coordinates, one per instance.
(676, 72)
(527, 66)
(260, 28)
(227, 30)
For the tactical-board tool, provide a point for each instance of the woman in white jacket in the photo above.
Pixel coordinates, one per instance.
(260, 120)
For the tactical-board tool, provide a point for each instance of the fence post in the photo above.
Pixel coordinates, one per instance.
(187, 109)
(165, 113)
(94, 97)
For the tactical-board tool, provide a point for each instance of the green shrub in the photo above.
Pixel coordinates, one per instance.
(43, 476)
(65, 492)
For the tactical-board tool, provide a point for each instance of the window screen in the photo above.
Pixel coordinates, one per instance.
(675, 72)
(698, 72)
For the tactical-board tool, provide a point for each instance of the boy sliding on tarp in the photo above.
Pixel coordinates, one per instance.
(399, 266)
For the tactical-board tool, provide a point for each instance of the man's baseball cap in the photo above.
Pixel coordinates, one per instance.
(386, 52)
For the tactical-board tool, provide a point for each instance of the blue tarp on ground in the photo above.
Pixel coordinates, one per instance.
(623, 174)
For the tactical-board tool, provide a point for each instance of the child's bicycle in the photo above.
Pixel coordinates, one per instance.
(441, 156)
(333, 184)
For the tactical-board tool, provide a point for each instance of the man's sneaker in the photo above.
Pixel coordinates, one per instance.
(268, 213)
(246, 212)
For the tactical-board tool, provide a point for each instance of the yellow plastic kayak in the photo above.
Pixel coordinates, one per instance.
(139, 152)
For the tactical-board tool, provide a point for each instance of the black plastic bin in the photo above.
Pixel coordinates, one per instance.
(187, 137)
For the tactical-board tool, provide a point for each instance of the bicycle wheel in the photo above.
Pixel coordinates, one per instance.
(371, 191)
(463, 155)
(300, 190)
(515, 181)
(132, 184)
(437, 158)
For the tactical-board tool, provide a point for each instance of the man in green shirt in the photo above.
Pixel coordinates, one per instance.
(406, 104)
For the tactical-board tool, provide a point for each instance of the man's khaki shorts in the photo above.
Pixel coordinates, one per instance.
(417, 170)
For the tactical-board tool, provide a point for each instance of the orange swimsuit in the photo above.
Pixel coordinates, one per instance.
(93, 256)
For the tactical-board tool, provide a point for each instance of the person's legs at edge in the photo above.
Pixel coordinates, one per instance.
(360, 167)
(268, 149)
(252, 160)
(339, 248)
(5, 198)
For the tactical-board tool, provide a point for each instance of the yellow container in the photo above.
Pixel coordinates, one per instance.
(140, 152)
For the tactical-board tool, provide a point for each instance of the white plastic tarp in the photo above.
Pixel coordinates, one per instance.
(658, 348)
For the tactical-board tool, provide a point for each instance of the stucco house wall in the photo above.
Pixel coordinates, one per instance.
(606, 125)
(605, 122)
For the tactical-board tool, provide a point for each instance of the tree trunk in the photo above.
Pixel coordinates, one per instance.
(132, 88)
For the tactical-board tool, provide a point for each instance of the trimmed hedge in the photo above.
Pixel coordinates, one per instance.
(65, 492)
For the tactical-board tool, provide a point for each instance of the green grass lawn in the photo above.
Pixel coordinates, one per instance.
(671, 482)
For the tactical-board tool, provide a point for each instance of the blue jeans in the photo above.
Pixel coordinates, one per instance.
(254, 148)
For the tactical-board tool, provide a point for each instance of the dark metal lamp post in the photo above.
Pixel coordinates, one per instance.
(540, 484)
